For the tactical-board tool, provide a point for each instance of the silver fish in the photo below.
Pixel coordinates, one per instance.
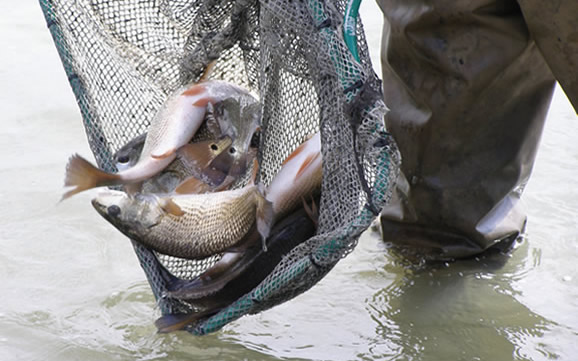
(299, 177)
(173, 126)
(239, 271)
(239, 120)
(188, 226)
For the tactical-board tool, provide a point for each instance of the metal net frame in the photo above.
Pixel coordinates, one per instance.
(124, 57)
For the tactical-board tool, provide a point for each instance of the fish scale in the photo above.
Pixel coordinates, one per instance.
(212, 222)
(206, 224)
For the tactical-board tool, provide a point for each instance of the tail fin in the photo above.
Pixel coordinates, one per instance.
(82, 175)
(170, 323)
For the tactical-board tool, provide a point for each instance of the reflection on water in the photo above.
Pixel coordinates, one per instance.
(465, 309)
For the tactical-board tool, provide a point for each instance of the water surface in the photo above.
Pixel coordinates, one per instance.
(72, 288)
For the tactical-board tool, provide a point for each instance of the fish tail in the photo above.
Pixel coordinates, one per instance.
(170, 323)
(265, 216)
(82, 175)
(207, 71)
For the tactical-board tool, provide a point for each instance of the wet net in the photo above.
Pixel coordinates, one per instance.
(124, 57)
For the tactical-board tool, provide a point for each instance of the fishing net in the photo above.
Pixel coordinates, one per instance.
(124, 57)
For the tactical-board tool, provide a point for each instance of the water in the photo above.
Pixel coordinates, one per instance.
(72, 288)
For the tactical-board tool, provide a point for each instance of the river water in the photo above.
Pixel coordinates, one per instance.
(72, 288)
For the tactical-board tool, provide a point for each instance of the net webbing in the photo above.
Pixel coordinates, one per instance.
(124, 57)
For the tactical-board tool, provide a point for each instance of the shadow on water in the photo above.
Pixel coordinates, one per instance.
(465, 310)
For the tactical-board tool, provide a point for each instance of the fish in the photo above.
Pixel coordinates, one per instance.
(199, 155)
(192, 226)
(238, 120)
(237, 273)
(172, 127)
(127, 156)
(300, 177)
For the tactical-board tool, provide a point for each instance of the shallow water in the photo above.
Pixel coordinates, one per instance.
(72, 287)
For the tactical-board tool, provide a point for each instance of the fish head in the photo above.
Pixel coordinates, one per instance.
(129, 154)
(132, 215)
(226, 114)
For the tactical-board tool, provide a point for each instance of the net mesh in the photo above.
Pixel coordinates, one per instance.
(123, 58)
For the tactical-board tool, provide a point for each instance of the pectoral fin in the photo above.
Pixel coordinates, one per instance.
(265, 217)
(312, 211)
(169, 206)
(164, 155)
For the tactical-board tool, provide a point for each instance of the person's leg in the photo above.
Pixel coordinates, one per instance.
(468, 92)
(554, 27)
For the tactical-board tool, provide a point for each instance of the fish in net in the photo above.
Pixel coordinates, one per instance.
(123, 58)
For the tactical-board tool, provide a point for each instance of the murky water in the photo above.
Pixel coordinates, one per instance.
(72, 288)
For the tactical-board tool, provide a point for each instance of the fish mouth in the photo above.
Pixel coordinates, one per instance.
(100, 207)
(106, 204)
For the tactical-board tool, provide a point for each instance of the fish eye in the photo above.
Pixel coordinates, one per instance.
(214, 147)
(123, 159)
(232, 150)
(113, 210)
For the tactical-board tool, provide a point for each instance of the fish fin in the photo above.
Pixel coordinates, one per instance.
(192, 185)
(82, 175)
(164, 155)
(254, 173)
(295, 153)
(312, 211)
(225, 184)
(199, 155)
(176, 322)
(265, 217)
(133, 188)
(194, 89)
(207, 71)
(202, 102)
(306, 163)
(169, 206)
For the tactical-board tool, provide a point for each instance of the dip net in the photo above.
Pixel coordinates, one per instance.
(124, 57)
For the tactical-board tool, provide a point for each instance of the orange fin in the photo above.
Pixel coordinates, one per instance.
(82, 175)
(308, 161)
(171, 207)
(192, 185)
(200, 155)
(195, 89)
(166, 154)
(202, 102)
(294, 153)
